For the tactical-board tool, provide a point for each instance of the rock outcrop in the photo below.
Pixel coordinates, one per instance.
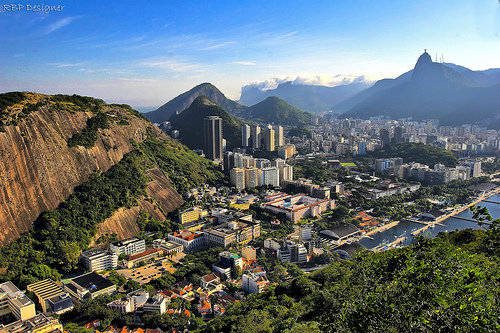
(38, 169)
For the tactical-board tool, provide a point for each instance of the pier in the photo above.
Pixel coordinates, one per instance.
(493, 202)
(471, 220)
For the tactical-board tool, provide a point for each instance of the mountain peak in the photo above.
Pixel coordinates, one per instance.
(424, 59)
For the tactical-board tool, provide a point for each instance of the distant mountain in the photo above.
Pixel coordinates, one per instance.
(190, 123)
(184, 100)
(450, 93)
(310, 98)
(274, 110)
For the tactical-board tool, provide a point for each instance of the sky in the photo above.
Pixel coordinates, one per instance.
(144, 53)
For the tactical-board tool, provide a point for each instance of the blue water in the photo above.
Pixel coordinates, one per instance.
(450, 224)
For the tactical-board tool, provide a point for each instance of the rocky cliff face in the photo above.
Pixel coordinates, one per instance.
(38, 170)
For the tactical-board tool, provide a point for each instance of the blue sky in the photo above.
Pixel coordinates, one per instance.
(146, 52)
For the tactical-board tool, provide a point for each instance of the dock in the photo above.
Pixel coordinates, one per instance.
(471, 220)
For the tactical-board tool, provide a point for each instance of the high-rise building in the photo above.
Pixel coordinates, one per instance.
(278, 136)
(398, 134)
(253, 177)
(256, 137)
(269, 138)
(271, 176)
(361, 148)
(245, 135)
(385, 137)
(237, 176)
(286, 172)
(213, 138)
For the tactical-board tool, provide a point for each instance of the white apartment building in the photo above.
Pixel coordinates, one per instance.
(237, 176)
(128, 246)
(271, 176)
(99, 260)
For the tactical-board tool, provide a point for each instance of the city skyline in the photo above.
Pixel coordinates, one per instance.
(146, 56)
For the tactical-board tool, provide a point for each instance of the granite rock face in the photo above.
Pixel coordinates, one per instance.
(38, 170)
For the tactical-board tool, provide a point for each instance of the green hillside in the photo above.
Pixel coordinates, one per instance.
(417, 152)
(446, 284)
(277, 111)
(190, 123)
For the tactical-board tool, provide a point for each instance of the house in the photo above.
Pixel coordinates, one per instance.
(204, 307)
(211, 278)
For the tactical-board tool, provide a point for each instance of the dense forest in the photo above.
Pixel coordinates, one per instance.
(417, 152)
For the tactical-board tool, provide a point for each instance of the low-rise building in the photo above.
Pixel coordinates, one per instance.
(99, 260)
(128, 246)
(169, 248)
(131, 302)
(254, 284)
(37, 324)
(340, 232)
(188, 239)
(296, 207)
(133, 260)
(239, 232)
(157, 303)
(51, 296)
(89, 285)
(192, 214)
(13, 300)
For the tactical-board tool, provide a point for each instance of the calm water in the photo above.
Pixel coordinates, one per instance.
(450, 224)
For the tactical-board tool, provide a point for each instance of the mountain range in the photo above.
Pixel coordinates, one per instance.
(453, 94)
(311, 98)
(271, 110)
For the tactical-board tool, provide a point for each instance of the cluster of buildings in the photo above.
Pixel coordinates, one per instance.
(222, 228)
(298, 206)
(438, 174)
(268, 138)
(18, 313)
(359, 136)
(248, 172)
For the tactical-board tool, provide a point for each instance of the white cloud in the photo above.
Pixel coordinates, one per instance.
(60, 24)
(316, 80)
(245, 63)
(217, 46)
(171, 65)
(62, 65)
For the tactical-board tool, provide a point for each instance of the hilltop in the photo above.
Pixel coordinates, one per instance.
(274, 110)
(184, 100)
(190, 123)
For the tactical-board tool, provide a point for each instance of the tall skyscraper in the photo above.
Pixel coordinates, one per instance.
(385, 137)
(279, 137)
(256, 137)
(361, 148)
(269, 138)
(245, 135)
(213, 138)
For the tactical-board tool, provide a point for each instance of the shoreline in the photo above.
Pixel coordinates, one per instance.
(428, 225)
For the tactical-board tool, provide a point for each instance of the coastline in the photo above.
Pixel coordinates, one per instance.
(427, 225)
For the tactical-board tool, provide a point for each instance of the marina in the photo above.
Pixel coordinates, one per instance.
(404, 232)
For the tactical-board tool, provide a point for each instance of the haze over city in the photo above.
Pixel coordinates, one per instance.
(145, 54)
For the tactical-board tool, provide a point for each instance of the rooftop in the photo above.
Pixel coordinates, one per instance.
(92, 282)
